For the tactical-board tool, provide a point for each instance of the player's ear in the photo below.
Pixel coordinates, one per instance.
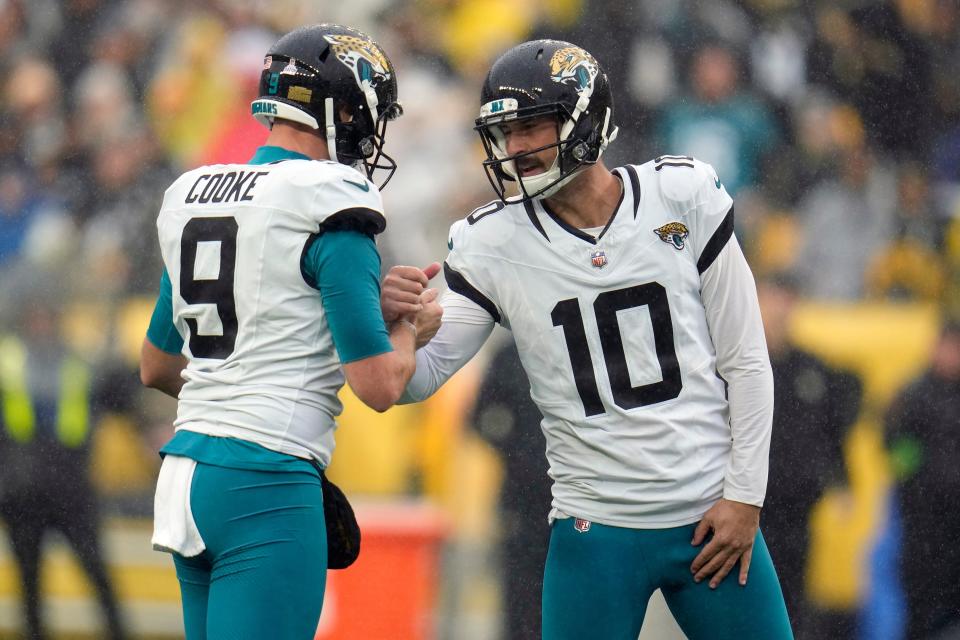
(345, 112)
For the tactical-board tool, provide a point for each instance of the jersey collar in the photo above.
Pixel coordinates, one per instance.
(577, 232)
(268, 154)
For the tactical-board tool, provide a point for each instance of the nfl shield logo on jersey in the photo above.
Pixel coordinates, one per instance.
(581, 525)
(598, 259)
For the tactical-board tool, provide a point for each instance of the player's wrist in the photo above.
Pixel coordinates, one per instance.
(410, 326)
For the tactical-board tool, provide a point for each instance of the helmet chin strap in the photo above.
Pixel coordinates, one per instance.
(331, 129)
(372, 100)
(583, 102)
(372, 103)
(551, 174)
(560, 184)
(548, 176)
(537, 182)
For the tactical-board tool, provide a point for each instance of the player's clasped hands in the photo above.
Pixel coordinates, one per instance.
(404, 295)
(734, 526)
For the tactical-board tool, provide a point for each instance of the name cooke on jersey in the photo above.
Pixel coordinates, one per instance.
(232, 186)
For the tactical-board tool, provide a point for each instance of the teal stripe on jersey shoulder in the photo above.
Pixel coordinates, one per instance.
(345, 267)
(267, 154)
(162, 333)
(232, 453)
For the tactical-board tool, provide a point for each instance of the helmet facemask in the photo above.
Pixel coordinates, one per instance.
(359, 141)
(579, 144)
(545, 78)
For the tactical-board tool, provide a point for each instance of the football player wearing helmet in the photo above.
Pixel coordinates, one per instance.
(257, 326)
(576, 102)
(636, 318)
(338, 83)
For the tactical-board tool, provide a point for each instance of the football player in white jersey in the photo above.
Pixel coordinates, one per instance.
(636, 318)
(269, 300)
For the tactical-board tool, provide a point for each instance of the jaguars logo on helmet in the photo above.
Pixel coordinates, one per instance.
(363, 57)
(575, 67)
(338, 81)
(545, 79)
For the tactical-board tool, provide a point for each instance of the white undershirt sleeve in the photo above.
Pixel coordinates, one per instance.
(733, 314)
(466, 327)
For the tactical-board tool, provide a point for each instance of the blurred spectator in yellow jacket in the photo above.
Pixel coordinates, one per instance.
(49, 401)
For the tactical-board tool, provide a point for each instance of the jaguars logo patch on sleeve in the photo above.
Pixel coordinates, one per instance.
(673, 233)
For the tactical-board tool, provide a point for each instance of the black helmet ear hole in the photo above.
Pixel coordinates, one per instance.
(324, 54)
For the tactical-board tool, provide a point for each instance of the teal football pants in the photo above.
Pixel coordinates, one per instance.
(597, 584)
(264, 570)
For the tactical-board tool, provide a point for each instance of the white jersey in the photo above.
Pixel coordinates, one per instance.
(615, 339)
(262, 363)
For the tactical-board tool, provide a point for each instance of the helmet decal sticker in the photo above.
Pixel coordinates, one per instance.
(300, 94)
(361, 56)
(501, 106)
(575, 67)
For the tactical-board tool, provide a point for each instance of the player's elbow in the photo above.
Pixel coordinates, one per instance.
(379, 402)
(161, 370)
(379, 381)
(161, 380)
(378, 397)
(147, 377)
(379, 394)
(151, 376)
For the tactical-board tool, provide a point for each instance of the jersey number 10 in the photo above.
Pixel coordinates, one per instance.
(567, 314)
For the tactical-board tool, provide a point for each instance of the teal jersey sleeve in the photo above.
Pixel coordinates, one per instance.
(345, 267)
(162, 333)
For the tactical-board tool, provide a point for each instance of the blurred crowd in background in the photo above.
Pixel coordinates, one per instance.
(834, 125)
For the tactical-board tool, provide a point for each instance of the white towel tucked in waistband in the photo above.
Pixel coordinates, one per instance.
(174, 529)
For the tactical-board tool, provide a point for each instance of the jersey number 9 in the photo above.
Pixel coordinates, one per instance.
(216, 291)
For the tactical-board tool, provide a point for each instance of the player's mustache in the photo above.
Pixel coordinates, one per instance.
(527, 163)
